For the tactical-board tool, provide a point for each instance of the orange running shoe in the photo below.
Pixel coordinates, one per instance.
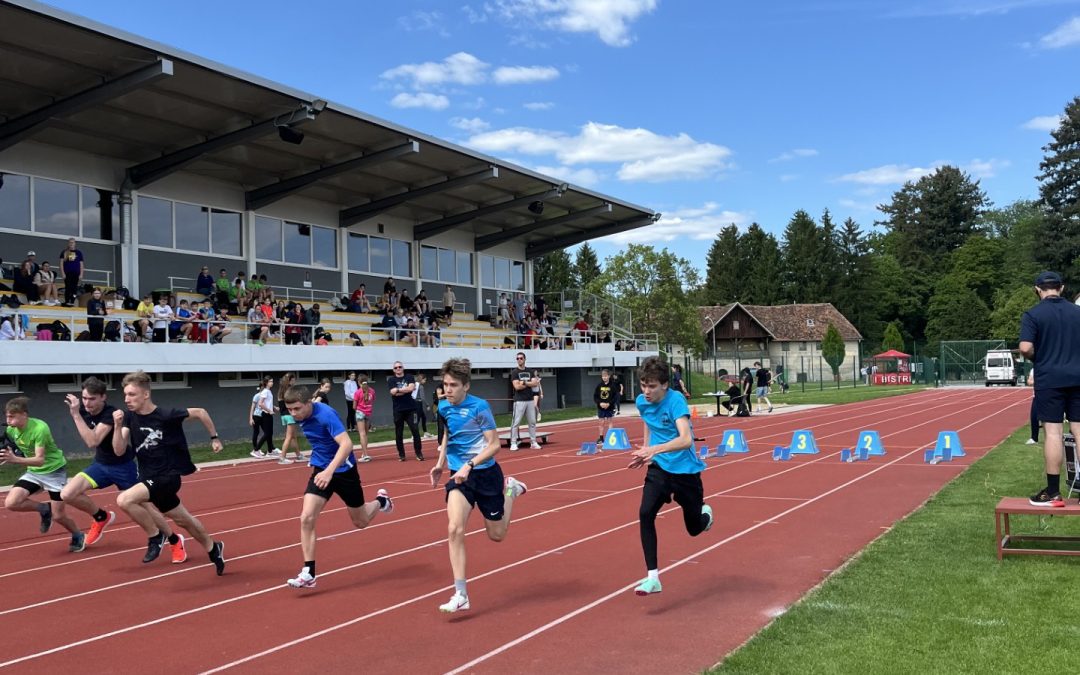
(179, 552)
(98, 529)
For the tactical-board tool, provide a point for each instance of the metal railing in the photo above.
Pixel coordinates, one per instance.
(578, 301)
(90, 276)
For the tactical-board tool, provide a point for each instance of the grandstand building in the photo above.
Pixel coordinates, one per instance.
(159, 162)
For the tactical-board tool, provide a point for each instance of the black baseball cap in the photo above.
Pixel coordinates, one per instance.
(1048, 278)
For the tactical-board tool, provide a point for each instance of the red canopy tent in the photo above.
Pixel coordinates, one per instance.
(895, 368)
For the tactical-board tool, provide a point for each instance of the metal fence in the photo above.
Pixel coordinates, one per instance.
(963, 361)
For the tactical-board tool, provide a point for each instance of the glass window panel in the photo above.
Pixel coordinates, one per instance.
(100, 213)
(15, 202)
(267, 238)
(487, 271)
(358, 252)
(225, 232)
(447, 265)
(324, 247)
(402, 258)
(502, 273)
(192, 227)
(297, 245)
(429, 263)
(155, 222)
(56, 207)
(517, 276)
(380, 255)
(464, 268)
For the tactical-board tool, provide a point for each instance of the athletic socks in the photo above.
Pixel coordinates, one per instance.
(459, 587)
(310, 565)
(101, 516)
(654, 575)
(174, 539)
(1053, 484)
(383, 501)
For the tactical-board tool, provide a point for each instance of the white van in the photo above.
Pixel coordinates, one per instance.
(1000, 367)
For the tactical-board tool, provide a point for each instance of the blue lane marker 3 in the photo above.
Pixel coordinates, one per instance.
(803, 443)
(870, 441)
(949, 442)
(616, 439)
(734, 441)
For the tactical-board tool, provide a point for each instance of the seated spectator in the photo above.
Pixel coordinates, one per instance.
(434, 334)
(312, 317)
(389, 324)
(180, 327)
(95, 310)
(204, 283)
(422, 304)
(588, 317)
(358, 301)
(10, 328)
(162, 315)
(24, 281)
(405, 302)
(223, 288)
(389, 288)
(45, 280)
(237, 297)
(581, 329)
(254, 289)
(267, 292)
(410, 334)
(294, 329)
(258, 327)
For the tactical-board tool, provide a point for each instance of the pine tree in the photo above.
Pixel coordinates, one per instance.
(722, 268)
(828, 257)
(892, 338)
(1057, 244)
(850, 295)
(759, 255)
(832, 349)
(586, 266)
(801, 254)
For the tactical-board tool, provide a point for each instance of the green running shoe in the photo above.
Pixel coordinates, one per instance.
(648, 586)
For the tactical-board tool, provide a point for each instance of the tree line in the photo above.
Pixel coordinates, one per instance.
(942, 264)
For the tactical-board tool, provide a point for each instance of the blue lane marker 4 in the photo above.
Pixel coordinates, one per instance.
(871, 442)
(734, 441)
(781, 453)
(616, 439)
(949, 442)
(803, 443)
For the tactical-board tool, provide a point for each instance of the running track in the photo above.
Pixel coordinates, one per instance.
(554, 597)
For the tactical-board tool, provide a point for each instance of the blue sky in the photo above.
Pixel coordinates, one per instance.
(711, 112)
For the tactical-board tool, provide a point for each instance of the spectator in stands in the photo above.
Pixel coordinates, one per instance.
(410, 333)
(31, 256)
(294, 331)
(519, 308)
(312, 317)
(448, 302)
(10, 329)
(254, 289)
(258, 328)
(45, 280)
(405, 302)
(589, 317)
(539, 306)
(389, 324)
(504, 311)
(24, 281)
(434, 334)
(422, 304)
(71, 261)
(581, 328)
(180, 328)
(358, 301)
(223, 287)
(162, 314)
(95, 311)
(145, 314)
(204, 283)
(237, 297)
(219, 325)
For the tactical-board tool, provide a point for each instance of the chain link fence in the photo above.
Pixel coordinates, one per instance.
(963, 362)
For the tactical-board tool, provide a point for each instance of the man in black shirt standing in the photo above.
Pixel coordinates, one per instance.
(764, 381)
(1048, 336)
(93, 418)
(157, 437)
(95, 310)
(402, 388)
(523, 380)
(604, 397)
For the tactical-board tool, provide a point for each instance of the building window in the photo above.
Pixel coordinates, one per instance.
(358, 252)
(502, 274)
(100, 211)
(380, 255)
(401, 258)
(442, 264)
(15, 202)
(189, 227)
(267, 238)
(59, 208)
(785, 346)
(9, 384)
(324, 247)
(56, 207)
(69, 382)
(809, 323)
(802, 346)
(225, 229)
(192, 227)
(389, 257)
(296, 243)
(155, 222)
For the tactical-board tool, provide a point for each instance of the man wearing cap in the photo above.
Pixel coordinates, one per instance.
(1048, 337)
(71, 261)
(31, 257)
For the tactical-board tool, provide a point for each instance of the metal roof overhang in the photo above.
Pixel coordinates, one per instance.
(92, 87)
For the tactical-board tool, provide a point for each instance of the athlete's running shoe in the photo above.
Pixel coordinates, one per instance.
(648, 586)
(78, 542)
(365, 459)
(707, 511)
(98, 529)
(388, 506)
(458, 602)
(1044, 498)
(258, 454)
(515, 488)
(45, 511)
(217, 556)
(179, 551)
(285, 460)
(153, 547)
(302, 580)
(513, 447)
(534, 446)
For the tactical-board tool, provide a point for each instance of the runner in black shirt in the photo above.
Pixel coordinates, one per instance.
(161, 449)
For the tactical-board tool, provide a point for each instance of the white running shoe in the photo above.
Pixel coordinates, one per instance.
(365, 459)
(457, 603)
(276, 452)
(389, 507)
(258, 454)
(1030, 441)
(513, 447)
(534, 446)
(515, 488)
(285, 460)
(302, 580)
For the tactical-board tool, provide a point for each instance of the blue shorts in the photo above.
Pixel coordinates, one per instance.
(762, 392)
(100, 475)
(1055, 405)
(604, 414)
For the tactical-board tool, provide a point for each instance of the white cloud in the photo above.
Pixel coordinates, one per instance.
(473, 125)
(420, 99)
(524, 74)
(701, 223)
(984, 168)
(788, 177)
(539, 105)
(898, 174)
(424, 21)
(970, 7)
(581, 176)
(855, 205)
(1043, 123)
(460, 68)
(609, 19)
(797, 153)
(1065, 35)
(642, 154)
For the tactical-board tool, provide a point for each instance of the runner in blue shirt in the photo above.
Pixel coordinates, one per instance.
(674, 468)
(468, 448)
(333, 472)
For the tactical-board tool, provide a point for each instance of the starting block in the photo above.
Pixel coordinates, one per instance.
(870, 441)
(854, 455)
(616, 439)
(588, 448)
(704, 452)
(948, 443)
(781, 453)
(803, 443)
(734, 440)
(932, 457)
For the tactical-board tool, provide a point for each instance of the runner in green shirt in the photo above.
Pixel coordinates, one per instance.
(28, 441)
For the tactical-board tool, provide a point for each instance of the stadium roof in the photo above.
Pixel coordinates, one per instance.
(71, 82)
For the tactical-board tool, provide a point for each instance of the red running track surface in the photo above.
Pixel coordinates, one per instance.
(554, 597)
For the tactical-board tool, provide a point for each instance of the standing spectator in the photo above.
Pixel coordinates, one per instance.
(1048, 337)
(45, 280)
(437, 397)
(781, 378)
(162, 315)
(539, 306)
(448, 301)
(223, 288)
(261, 420)
(746, 384)
(322, 394)
(620, 391)
(204, 283)
(677, 381)
(402, 387)
(95, 311)
(312, 317)
(504, 311)
(523, 381)
(389, 291)
(288, 422)
(764, 381)
(519, 309)
(604, 398)
(364, 404)
(350, 393)
(420, 396)
(71, 262)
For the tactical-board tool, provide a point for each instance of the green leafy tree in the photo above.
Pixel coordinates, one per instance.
(832, 348)
(722, 268)
(586, 265)
(759, 255)
(956, 312)
(828, 257)
(850, 295)
(653, 286)
(892, 338)
(802, 249)
(1017, 224)
(978, 265)
(554, 272)
(1010, 306)
(1057, 244)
